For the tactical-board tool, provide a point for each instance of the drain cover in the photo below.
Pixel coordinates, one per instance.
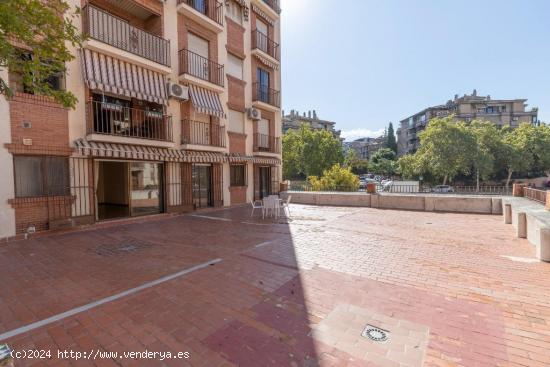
(125, 246)
(376, 334)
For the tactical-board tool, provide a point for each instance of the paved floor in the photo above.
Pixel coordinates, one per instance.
(444, 289)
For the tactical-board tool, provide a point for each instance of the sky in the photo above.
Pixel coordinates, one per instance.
(364, 63)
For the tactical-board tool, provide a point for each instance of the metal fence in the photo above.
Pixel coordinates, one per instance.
(201, 67)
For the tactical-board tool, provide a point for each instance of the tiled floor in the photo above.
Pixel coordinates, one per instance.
(286, 293)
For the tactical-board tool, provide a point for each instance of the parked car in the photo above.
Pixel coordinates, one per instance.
(443, 189)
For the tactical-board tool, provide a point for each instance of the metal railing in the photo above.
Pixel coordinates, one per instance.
(264, 43)
(265, 94)
(105, 27)
(535, 194)
(211, 8)
(113, 119)
(202, 133)
(200, 67)
(273, 4)
(266, 143)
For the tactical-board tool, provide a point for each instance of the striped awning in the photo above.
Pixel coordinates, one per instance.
(239, 158)
(193, 156)
(109, 74)
(263, 15)
(266, 62)
(126, 151)
(267, 160)
(206, 101)
(243, 4)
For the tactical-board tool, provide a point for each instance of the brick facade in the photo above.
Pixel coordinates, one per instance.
(237, 143)
(41, 212)
(236, 90)
(235, 38)
(238, 194)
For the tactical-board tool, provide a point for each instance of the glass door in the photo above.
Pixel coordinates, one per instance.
(202, 186)
(265, 182)
(145, 188)
(262, 77)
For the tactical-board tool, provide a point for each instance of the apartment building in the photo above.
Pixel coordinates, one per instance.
(294, 120)
(178, 109)
(366, 147)
(502, 112)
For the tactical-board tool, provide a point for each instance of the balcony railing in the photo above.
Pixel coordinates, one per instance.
(273, 4)
(264, 43)
(211, 8)
(200, 67)
(202, 133)
(266, 143)
(105, 27)
(265, 94)
(114, 119)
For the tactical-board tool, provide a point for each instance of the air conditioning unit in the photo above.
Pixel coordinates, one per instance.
(254, 114)
(177, 91)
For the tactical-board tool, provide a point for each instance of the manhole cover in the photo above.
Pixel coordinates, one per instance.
(375, 334)
(126, 246)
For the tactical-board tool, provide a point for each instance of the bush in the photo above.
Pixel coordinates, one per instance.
(335, 179)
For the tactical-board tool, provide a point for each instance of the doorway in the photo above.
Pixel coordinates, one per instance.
(128, 189)
(265, 182)
(202, 186)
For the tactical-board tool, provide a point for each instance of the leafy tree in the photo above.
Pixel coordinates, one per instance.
(38, 26)
(293, 146)
(408, 166)
(487, 145)
(445, 148)
(383, 162)
(356, 164)
(321, 151)
(335, 178)
(391, 142)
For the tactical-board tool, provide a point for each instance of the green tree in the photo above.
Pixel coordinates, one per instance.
(321, 151)
(335, 178)
(445, 148)
(355, 163)
(383, 162)
(40, 26)
(293, 146)
(391, 142)
(487, 146)
(408, 166)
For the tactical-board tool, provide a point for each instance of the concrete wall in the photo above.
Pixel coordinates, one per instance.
(433, 203)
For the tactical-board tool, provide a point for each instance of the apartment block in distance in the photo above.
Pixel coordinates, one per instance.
(502, 112)
(366, 147)
(178, 109)
(294, 120)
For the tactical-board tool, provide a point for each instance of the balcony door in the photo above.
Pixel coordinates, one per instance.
(261, 39)
(263, 134)
(199, 56)
(262, 78)
(265, 181)
(202, 185)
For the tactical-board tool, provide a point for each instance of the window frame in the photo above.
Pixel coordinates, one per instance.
(45, 187)
(232, 178)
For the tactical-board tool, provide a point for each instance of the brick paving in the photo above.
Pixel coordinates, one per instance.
(287, 292)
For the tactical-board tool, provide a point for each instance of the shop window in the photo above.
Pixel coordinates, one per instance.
(41, 176)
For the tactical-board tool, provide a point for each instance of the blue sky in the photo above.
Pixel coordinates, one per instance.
(363, 63)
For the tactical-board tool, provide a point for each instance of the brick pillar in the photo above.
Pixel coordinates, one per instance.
(517, 189)
(547, 206)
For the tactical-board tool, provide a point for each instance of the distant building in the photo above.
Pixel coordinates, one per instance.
(294, 120)
(502, 112)
(366, 147)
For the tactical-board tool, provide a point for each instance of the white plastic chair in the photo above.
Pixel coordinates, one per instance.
(286, 204)
(257, 204)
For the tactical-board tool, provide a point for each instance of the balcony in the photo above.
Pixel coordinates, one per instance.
(273, 4)
(200, 67)
(262, 93)
(263, 43)
(202, 133)
(212, 9)
(116, 120)
(107, 28)
(267, 143)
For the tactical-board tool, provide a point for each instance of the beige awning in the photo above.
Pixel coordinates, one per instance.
(202, 157)
(267, 62)
(126, 151)
(109, 74)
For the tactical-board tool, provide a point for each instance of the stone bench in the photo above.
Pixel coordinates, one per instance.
(531, 221)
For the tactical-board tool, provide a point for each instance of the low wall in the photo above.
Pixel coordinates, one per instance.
(422, 202)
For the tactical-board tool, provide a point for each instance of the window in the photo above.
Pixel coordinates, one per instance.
(198, 45)
(234, 66)
(41, 176)
(235, 12)
(490, 109)
(262, 27)
(236, 121)
(55, 81)
(238, 175)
